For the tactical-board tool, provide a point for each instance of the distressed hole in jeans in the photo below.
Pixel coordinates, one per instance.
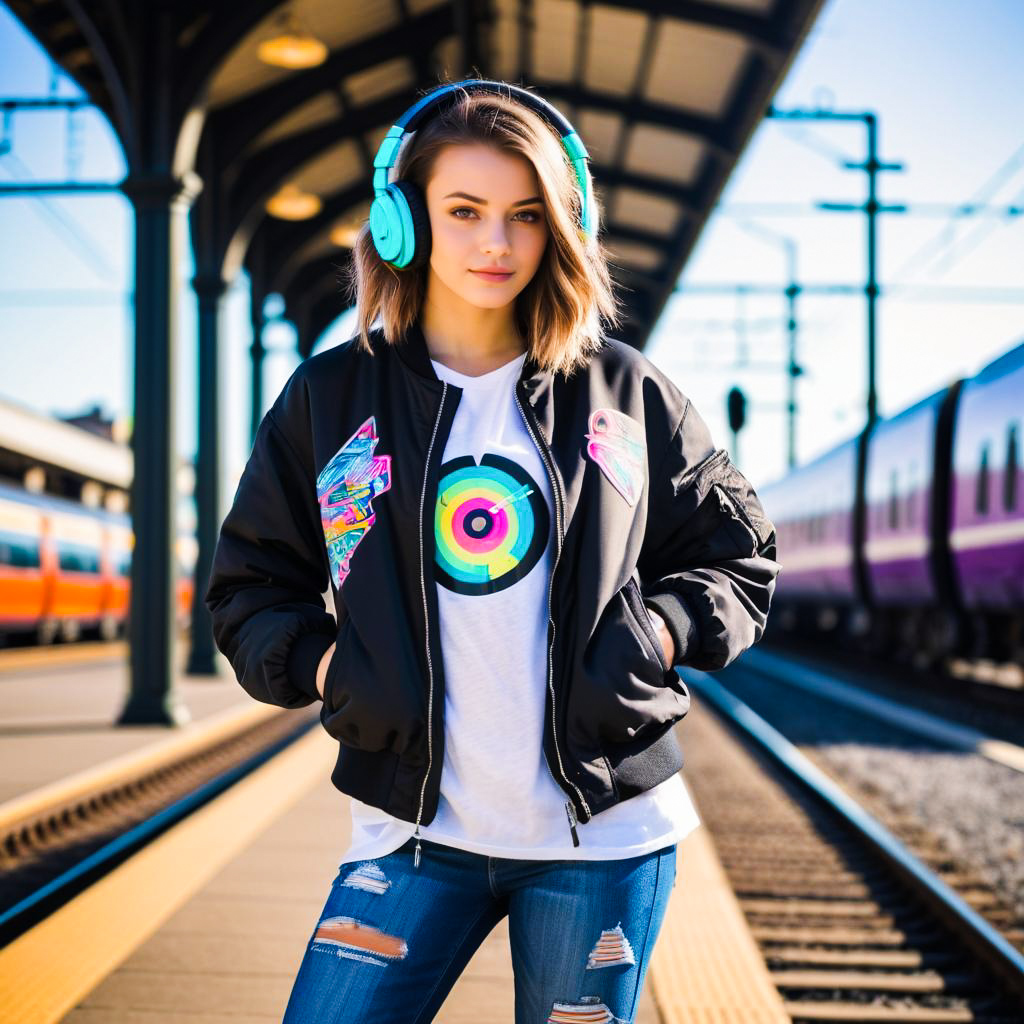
(354, 940)
(368, 877)
(589, 1009)
(611, 949)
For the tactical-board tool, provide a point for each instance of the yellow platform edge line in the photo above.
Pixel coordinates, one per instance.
(47, 971)
(706, 965)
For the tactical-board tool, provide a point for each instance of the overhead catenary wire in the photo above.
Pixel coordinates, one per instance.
(85, 246)
(945, 238)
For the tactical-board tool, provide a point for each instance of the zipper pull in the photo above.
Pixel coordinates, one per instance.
(572, 822)
(416, 858)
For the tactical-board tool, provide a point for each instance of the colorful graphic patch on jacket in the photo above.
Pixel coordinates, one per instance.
(346, 487)
(490, 524)
(617, 445)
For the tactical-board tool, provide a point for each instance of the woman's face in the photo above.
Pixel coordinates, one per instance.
(485, 210)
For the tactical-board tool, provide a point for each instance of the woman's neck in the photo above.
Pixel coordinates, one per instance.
(474, 343)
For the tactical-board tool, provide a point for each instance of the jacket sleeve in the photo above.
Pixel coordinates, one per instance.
(707, 564)
(269, 573)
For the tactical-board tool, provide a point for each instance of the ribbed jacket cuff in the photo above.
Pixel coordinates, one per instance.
(673, 609)
(304, 659)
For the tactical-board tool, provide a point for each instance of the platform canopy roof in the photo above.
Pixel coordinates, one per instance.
(664, 94)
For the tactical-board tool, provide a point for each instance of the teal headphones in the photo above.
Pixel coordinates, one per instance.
(399, 223)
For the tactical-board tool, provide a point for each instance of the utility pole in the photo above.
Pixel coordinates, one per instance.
(872, 208)
(793, 369)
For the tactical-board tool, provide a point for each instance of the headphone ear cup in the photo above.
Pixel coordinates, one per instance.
(420, 221)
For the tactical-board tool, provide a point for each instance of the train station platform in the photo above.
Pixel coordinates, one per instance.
(250, 874)
(58, 706)
(208, 923)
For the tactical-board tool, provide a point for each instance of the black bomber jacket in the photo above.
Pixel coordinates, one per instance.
(339, 491)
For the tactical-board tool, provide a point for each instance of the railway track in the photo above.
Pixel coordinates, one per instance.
(985, 686)
(852, 925)
(57, 842)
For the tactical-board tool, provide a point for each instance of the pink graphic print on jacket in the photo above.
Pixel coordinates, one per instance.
(617, 445)
(345, 487)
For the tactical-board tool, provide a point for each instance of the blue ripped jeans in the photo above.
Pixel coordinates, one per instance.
(393, 939)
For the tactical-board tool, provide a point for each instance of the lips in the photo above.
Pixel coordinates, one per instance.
(492, 275)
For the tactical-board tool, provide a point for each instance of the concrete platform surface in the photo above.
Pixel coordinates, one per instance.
(58, 707)
(231, 953)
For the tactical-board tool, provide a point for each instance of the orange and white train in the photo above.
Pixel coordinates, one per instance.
(65, 568)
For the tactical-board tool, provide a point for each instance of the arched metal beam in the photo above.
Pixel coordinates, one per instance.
(744, 118)
(225, 29)
(322, 311)
(763, 33)
(715, 134)
(315, 285)
(114, 71)
(55, 28)
(236, 124)
(614, 177)
(319, 274)
(260, 175)
(286, 239)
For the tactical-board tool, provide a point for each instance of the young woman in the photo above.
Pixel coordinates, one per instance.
(525, 526)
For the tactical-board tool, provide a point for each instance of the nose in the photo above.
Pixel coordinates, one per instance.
(496, 238)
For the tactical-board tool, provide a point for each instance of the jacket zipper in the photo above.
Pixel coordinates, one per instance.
(569, 809)
(426, 630)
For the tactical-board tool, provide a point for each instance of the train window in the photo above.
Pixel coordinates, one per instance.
(77, 558)
(1010, 478)
(19, 552)
(981, 496)
(910, 505)
(894, 500)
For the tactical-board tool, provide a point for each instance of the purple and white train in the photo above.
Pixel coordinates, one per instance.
(910, 537)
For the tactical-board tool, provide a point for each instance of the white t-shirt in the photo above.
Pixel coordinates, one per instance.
(494, 529)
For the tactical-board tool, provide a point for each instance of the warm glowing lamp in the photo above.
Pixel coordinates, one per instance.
(291, 203)
(344, 235)
(292, 46)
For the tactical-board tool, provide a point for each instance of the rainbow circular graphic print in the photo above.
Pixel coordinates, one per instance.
(490, 524)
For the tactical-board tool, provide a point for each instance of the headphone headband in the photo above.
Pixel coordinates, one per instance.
(412, 118)
(389, 226)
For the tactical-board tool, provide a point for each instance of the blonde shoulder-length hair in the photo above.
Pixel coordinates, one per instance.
(559, 312)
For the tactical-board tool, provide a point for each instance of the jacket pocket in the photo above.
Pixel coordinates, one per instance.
(635, 602)
(354, 711)
(622, 686)
(744, 516)
(333, 666)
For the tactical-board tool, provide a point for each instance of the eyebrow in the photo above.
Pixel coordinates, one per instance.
(483, 202)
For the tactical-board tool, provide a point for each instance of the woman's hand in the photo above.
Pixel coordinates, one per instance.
(668, 645)
(321, 669)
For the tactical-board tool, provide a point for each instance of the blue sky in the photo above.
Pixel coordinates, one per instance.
(943, 76)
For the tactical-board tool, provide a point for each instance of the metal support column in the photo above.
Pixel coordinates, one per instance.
(257, 351)
(209, 289)
(160, 201)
